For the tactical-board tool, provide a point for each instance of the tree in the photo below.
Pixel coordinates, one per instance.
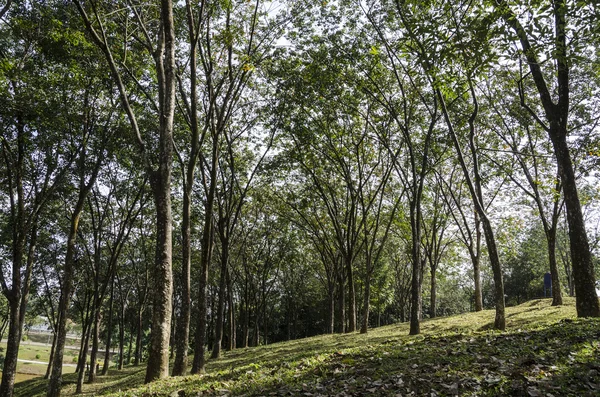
(158, 40)
(552, 81)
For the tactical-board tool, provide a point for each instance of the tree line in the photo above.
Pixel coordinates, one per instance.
(180, 178)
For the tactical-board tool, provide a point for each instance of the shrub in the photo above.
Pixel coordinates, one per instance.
(37, 356)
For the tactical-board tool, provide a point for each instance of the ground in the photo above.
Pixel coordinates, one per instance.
(545, 351)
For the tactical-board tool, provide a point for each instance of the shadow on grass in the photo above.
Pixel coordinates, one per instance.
(446, 354)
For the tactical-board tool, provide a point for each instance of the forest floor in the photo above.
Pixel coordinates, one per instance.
(545, 351)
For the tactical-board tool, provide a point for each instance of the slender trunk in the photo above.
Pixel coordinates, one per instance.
(109, 329)
(416, 299)
(17, 302)
(216, 352)
(84, 336)
(160, 180)
(55, 383)
(158, 351)
(256, 336)
(341, 305)
(13, 342)
(331, 299)
(433, 293)
(351, 295)
(556, 288)
(129, 347)
(85, 345)
(49, 367)
(198, 365)
(183, 322)
(137, 358)
(246, 322)
(232, 333)
(121, 340)
(366, 299)
(583, 267)
(475, 259)
(180, 365)
(500, 320)
(95, 347)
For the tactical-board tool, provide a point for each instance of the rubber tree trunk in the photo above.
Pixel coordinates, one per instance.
(331, 308)
(232, 322)
(475, 259)
(182, 331)
(556, 287)
(583, 267)
(220, 319)
(15, 330)
(351, 294)
(160, 180)
(17, 302)
(85, 345)
(433, 293)
(366, 298)
(55, 383)
(183, 322)
(109, 329)
(137, 357)
(416, 298)
(95, 340)
(49, 367)
(341, 305)
(199, 363)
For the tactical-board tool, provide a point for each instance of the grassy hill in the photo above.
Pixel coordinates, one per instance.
(545, 351)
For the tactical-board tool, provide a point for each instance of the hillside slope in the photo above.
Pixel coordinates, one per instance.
(544, 352)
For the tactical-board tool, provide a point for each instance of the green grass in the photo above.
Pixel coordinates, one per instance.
(545, 351)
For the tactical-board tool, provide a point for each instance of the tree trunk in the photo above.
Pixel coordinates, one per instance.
(183, 322)
(583, 267)
(351, 295)
(331, 298)
(17, 304)
(366, 299)
(556, 288)
(500, 320)
(341, 305)
(160, 180)
(137, 358)
(416, 298)
(232, 333)
(475, 258)
(95, 341)
(55, 383)
(198, 365)
(129, 347)
(433, 297)
(85, 345)
(246, 323)
(216, 352)
(158, 351)
(49, 367)
(15, 330)
(121, 340)
(109, 329)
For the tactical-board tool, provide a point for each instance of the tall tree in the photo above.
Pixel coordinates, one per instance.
(154, 139)
(552, 81)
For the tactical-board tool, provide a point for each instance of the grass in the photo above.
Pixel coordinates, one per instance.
(545, 351)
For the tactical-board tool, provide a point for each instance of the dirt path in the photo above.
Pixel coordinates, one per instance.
(43, 363)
